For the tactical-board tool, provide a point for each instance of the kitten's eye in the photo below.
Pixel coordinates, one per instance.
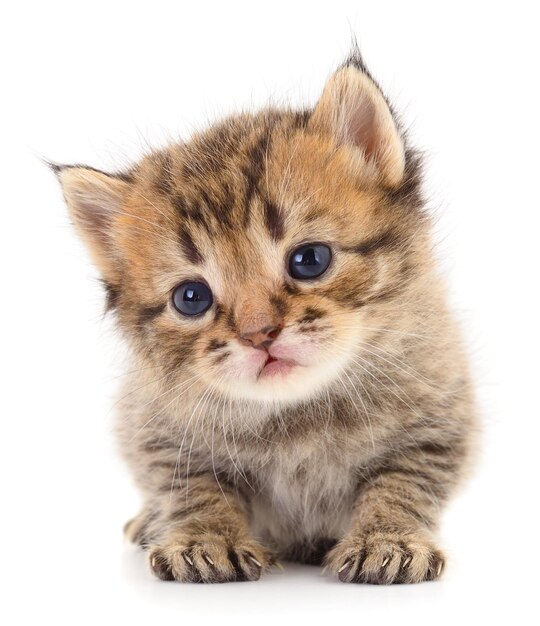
(309, 261)
(192, 298)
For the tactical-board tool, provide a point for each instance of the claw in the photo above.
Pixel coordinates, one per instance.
(254, 560)
(208, 559)
(153, 561)
(407, 561)
(385, 561)
(279, 566)
(344, 566)
(186, 557)
(439, 568)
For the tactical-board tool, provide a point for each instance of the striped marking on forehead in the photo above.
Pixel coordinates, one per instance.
(216, 182)
(189, 247)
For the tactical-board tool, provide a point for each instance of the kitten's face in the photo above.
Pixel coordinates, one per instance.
(257, 258)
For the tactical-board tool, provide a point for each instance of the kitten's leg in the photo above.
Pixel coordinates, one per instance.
(390, 539)
(199, 535)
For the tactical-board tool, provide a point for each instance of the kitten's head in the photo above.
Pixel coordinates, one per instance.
(261, 254)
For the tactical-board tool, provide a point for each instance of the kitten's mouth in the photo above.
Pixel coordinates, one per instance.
(276, 367)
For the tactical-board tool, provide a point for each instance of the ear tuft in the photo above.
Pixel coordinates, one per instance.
(355, 59)
(94, 199)
(354, 110)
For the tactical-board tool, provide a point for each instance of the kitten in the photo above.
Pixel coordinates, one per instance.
(299, 390)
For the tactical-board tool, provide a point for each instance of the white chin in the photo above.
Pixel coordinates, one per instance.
(298, 384)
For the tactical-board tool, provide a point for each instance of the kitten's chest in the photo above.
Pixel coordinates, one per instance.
(305, 490)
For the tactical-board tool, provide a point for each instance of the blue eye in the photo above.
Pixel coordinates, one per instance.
(309, 261)
(192, 298)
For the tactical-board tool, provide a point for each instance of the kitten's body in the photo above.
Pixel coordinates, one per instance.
(361, 442)
(302, 469)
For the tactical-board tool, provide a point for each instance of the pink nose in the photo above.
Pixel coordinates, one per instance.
(260, 339)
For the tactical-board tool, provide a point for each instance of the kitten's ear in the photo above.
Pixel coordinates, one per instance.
(354, 110)
(94, 200)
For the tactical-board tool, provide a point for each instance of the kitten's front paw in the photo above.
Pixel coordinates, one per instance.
(209, 559)
(384, 558)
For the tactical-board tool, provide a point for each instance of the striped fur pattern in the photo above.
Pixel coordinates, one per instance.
(348, 458)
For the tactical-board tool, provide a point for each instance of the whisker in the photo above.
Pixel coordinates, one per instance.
(162, 410)
(212, 455)
(238, 469)
(208, 395)
(409, 371)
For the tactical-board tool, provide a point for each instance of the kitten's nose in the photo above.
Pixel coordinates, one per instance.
(261, 338)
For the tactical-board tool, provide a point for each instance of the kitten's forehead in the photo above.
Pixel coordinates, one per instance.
(254, 180)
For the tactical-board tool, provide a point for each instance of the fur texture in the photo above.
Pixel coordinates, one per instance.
(349, 455)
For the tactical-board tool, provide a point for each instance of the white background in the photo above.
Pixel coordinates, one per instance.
(97, 82)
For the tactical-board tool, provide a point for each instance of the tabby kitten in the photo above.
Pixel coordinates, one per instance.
(298, 387)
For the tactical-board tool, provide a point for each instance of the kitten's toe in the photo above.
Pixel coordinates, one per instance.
(385, 558)
(161, 566)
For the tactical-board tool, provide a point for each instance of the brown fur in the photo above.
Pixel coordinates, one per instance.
(351, 457)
